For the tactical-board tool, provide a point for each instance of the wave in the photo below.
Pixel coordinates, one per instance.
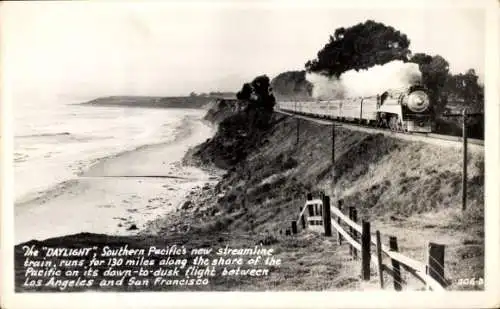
(180, 132)
(20, 157)
(44, 135)
(64, 136)
(42, 197)
(79, 168)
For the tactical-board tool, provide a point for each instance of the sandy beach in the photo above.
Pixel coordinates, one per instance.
(118, 195)
(154, 197)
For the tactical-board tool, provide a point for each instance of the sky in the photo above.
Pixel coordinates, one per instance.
(124, 48)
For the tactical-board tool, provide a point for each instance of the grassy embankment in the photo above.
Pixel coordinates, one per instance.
(410, 190)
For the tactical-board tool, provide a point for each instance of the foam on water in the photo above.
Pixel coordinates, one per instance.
(55, 141)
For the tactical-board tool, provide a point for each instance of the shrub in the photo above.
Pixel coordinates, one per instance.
(289, 163)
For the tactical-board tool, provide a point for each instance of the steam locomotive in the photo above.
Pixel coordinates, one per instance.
(401, 110)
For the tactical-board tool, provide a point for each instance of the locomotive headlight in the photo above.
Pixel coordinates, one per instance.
(418, 101)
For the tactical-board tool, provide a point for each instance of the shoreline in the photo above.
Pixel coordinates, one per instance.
(217, 214)
(181, 131)
(119, 194)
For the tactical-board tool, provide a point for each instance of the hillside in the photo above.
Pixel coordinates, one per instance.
(410, 190)
(154, 102)
(406, 189)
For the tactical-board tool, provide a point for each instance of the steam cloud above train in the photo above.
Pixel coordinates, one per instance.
(388, 96)
(364, 83)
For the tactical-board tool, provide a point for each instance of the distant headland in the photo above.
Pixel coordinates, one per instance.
(191, 101)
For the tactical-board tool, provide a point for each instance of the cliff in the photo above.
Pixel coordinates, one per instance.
(154, 102)
(407, 189)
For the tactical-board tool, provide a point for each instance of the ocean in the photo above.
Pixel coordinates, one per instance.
(56, 139)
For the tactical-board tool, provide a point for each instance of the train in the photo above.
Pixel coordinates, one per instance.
(400, 110)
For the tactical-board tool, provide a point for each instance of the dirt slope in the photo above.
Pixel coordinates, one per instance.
(411, 190)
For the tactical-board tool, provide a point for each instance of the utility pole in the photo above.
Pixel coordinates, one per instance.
(334, 195)
(298, 124)
(464, 116)
(464, 162)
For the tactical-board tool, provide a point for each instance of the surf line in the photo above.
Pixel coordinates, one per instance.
(141, 176)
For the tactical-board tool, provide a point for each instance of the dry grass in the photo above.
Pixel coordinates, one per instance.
(414, 189)
(411, 190)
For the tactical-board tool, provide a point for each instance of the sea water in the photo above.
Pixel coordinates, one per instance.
(56, 139)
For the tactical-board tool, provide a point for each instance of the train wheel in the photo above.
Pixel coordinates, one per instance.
(378, 121)
(393, 123)
(401, 127)
(405, 127)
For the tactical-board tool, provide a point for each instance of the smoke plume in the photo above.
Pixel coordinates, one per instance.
(375, 80)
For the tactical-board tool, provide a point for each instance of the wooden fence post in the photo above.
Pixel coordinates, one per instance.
(355, 233)
(310, 207)
(339, 236)
(294, 227)
(320, 212)
(302, 218)
(393, 245)
(365, 251)
(435, 264)
(379, 258)
(327, 216)
(315, 213)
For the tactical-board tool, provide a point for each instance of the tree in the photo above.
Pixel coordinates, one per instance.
(245, 92)
(360, 47)
(263, 95)
(292, 84)
(466, 88)
(260, 102)
(434, 71)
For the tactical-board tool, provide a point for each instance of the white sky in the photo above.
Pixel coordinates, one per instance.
(115, 48)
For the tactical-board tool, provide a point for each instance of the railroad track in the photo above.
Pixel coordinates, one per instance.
(431, 138)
